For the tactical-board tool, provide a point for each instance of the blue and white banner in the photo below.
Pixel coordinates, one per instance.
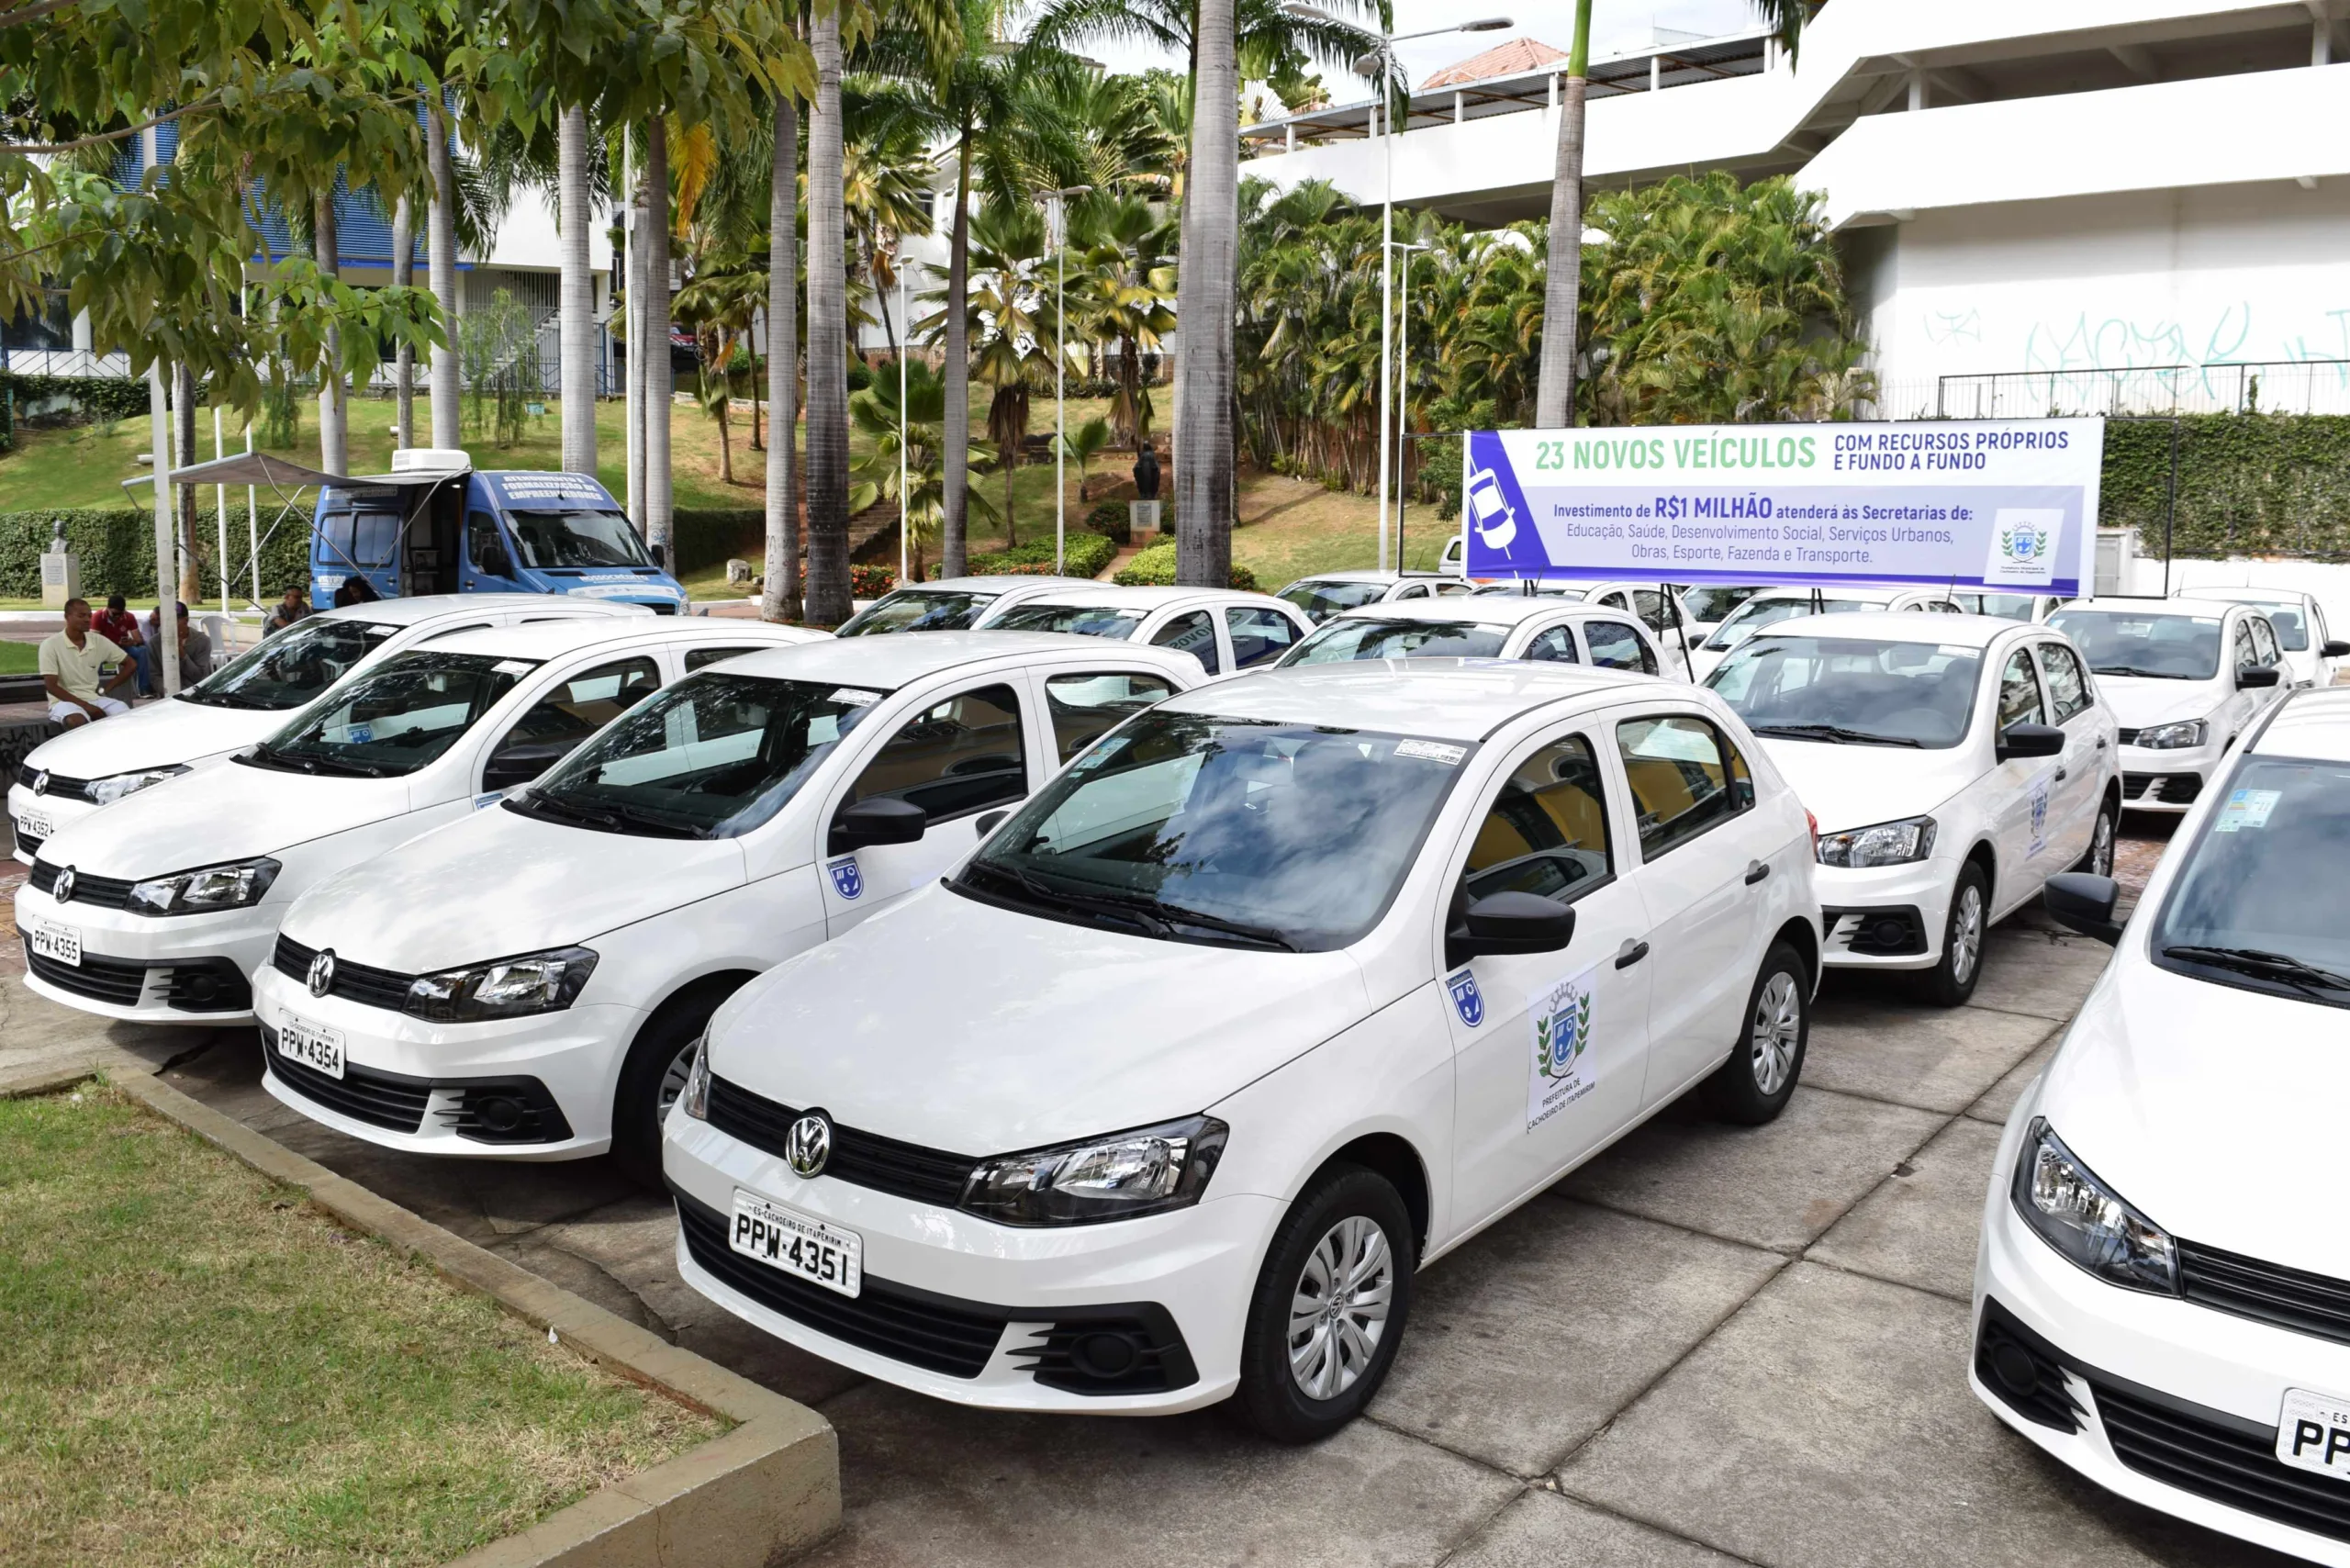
(2008, 504)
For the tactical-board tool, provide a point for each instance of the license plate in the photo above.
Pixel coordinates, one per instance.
(63, 943)
(301, 1040)
(32, 825)
(797, 1244)
(2314, 1432)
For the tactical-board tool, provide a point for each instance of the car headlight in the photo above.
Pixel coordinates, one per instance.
(206, 888)
(2173, 737)
(696, 1095)
(511, 988)
(1886, 843)
(1118, 1177)
(107, 791)
(2086, 1220)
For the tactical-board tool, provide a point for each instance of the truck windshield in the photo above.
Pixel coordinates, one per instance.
(576, 539)
(393, 720)
(291, 668)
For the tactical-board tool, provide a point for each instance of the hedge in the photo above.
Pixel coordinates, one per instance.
(95, 396)
(711, 536)
(1155, 567)
(1085, 555)
(118, 550)
(2248, 484)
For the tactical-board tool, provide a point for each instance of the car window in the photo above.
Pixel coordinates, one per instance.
(483, 545)
(1370, 637)
(1084, 707)
(2245, 652)
(1257, 635)
(1557, 644)
(2068, 690)
(2292, 628)
(1851, 690)
(2264, 641)
(1613, 599)
(1412, 590)
(1452, 591)
(1320, 601)
(1651, 605)
(2020, 693)
(954, 757)
(1682, 777)
(1193, 634)
(1616, 645)
(288, 669)
(2262, 890)
(2152, 644)
(917, 610)
(1077, 620)
(696, 657)
(395, 719)
(1547, 831)
(568, 714)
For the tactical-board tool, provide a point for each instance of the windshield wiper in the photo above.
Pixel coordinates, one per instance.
(535, 804)
(1177, 915)
(658, 827)
(316, 766)
(1835, 734)
(2281, 967)
(2147, 674)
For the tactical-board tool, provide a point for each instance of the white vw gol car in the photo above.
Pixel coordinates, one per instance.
(1953, 762)
(67, 778)
(1280, 989)
(1476, 626)
(528, 982)
(161, 909)
(2161, 1287)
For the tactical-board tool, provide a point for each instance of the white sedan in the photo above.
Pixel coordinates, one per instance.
(949, 604)
(1771, 606)
(2311, 651)
(1224, 629)
(1327, 593)
(1281, 990)
(2186, 680)
(1952, 761)
(69, 777)
(162, 909)
(546, 967)
(2162, 1286)
(1485, 627)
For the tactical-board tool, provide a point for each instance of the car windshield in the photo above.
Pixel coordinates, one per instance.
(1851, 690)
(1708, 605)
(713, 756)
(1999, 606)
(2292, 631)
(290, 668)
(576, 539)
(1756, 613)
(1517, 590)
(1084, 620)
(393, 720)
(1321, 600)
(2147, 643)
(917, 610)
(1191, 828)
(2263, 899)
(1366, 637)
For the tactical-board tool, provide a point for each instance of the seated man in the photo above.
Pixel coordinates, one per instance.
(292, 607)
(73, 670)
(118, 626)
(195, 648)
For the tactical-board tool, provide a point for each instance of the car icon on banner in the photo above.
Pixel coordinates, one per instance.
(1496, 524)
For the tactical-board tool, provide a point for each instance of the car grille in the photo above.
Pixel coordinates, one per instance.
(1110, 1352)
(503, 1110)
(192, 985)
(362, 983)
(111, 980)
(98, 893)
(861, 1159)
(934, 1332)
(386, 1100)
(2227, 1459)
(2127, 737)
(1880, 932)
(65, 788)
(28, 843)
(2171, 788)
(2023, 1369)
(2266, 1293)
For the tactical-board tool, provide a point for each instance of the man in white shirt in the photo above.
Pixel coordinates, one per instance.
(73, 670)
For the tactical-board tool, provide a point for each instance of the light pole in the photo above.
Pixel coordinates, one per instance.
(1059, 241)
(1378, 65)
(1403, 392)
(905, 425)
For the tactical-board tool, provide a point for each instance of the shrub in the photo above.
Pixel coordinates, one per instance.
(1085, 552)
(118, 550)
(870, 582)
(1155, 567)
(860, 376)
(709, 536)
(95, 396)
(1112, 522)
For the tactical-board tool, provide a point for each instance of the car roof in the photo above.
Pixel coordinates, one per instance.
(426, 607)
(2211, 610)
(553, 638)
(1495, 609)
(996, 584)
(2314, 724)
(1457, 699)
(1866, 594)
(893, 662)
(2247, 595)
(1372, 575)
(1152, 596)
(1910, 626)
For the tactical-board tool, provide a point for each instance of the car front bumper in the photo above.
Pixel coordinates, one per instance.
(58, 810)
(145, 969)
(1001, 1300)
(2168, 781)
(1886, 917)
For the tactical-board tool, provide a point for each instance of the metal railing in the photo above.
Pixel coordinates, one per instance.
(2266, 387)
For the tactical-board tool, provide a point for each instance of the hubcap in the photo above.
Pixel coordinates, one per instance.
(1778, 1025)
(673, 1084)
(1965, 932)
(1338, 1309)
(2101, 852)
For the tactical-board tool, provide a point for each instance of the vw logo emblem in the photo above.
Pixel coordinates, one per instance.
(322, 972)
(809, 1144)
(63, 889)
(40, 783)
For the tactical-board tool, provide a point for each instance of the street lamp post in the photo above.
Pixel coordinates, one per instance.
(1059, 241)
(1403, 392)
(905, 502)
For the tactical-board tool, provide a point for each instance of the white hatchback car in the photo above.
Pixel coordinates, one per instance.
(950, 604)
(526, 981)
(1952, 762)
(1327, 593)
(2185, 679)
(1226, 630)
(1480, 626)
(1282, 989)
(2312, 652)
(2162, 1286)
(162, 909)
(1771, 606)
(69, 777)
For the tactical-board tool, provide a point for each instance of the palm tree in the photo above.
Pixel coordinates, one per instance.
(334, 436)
(921, 510)
(829, 602)
(1122, 291)
(1203, 456)
(721, 303)
(780, 599)
(660, 504)
(404, 362)
(1010, 245)
(576, 323)
(884, 191)
(440, 272)
(1081, 446)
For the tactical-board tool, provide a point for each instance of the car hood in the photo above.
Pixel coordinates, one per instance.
(2139, 702)
(157, 736)
(2215, 1111)
(1022, 1031)
(497, 883)
(1856, 786)
(217, 815)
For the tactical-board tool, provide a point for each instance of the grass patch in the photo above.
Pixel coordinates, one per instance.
(199, 1367)
(19, 658)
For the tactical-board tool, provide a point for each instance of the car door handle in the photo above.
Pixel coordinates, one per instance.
(2100, 743)
(1756, 870)
(2060, 775)
(1630, 953)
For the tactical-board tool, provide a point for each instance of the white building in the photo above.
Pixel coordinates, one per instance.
(2094, 205)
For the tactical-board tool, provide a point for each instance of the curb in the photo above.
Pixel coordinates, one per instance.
(751, 1498)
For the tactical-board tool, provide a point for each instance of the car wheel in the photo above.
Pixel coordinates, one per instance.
(2098, 860)
(1951, 981)
(1330, 1306)
(651, 1079)
(1755, 1084)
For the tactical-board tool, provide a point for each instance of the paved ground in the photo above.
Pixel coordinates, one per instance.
(1707, 1347)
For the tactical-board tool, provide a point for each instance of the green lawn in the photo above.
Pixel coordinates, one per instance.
(19, 658)
(199, 1367)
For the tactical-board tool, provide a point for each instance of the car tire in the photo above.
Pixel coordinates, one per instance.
(2098, 859)
(1756, 1083)
(1952, 980)
(650, 1078)
(1304, 1376)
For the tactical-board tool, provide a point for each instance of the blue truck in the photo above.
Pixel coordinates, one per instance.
(436, 525)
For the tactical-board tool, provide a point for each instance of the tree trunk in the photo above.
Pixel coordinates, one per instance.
(576, 328)
(726, 441)
(829, 601)
(954, 468)
(660, 515)
(334, 442)
(191, 581)
(404, 362)
(1554, 392)
(440, 258)
(1203, 468)
(1011, 532)
(782, 593)
(638, 207)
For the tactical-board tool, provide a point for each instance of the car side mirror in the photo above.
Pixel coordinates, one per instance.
(520, 764)
(988, 823)
(2030, 740)
(880, 820)
(2336, 649)
(660, 554)
(2078, 902)
(2249, 675)
(1510, 923)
